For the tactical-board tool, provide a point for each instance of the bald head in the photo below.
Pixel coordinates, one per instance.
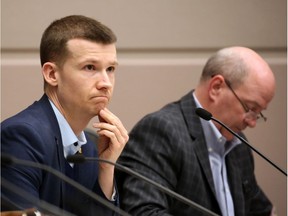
(236, 64)
(246, 72)
(258, 74)
(236, 80)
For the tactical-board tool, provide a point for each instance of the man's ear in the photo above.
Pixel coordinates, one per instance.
(49, 71)
(216, 86)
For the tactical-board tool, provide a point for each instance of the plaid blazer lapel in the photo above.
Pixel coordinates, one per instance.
(188, 107)
(235, 184)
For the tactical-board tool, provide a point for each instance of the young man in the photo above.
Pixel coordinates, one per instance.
(78, 58)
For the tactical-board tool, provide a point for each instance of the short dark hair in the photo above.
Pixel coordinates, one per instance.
(53, 46)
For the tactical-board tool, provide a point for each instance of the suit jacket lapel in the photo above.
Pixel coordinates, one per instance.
(193, 122)
(235, 184)
(52, 120)
(61, 164)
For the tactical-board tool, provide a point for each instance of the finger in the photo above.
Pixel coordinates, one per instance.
(116, 143)
(106, 115)
(101, 118)
(104, 128)
(111, 128)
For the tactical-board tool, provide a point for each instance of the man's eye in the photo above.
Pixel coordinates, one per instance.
(90, 67)
(254, 109)
(111, 69)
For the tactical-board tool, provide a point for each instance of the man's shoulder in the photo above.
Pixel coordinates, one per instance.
(38, 115)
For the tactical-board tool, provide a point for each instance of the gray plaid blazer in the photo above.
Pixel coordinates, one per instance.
(168, 146)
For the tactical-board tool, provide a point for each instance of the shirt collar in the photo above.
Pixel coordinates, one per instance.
(67, 134)
(214, 139)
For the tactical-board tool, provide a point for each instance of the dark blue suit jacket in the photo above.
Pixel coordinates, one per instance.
(34, 135)
(169, 147)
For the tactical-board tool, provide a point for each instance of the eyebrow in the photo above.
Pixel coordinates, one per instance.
(114, 62)
(254, 103)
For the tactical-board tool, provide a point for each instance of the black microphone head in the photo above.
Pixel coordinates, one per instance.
(204, 114)
(77, 158)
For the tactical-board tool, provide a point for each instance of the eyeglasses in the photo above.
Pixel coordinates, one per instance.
(250, 114)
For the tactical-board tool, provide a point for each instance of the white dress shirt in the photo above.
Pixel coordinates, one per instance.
(218, 148)
(71, 142)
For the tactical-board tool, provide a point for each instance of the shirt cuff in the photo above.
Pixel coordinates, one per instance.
(113, 197)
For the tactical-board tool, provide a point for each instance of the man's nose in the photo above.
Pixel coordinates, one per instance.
(104, 81)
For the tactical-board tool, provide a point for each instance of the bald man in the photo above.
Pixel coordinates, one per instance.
(200, 159)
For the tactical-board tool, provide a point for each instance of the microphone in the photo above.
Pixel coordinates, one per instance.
(43, 205)
(204, 114)
(9, 160)
(79, 158)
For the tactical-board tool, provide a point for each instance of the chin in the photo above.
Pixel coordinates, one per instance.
(99, 108)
